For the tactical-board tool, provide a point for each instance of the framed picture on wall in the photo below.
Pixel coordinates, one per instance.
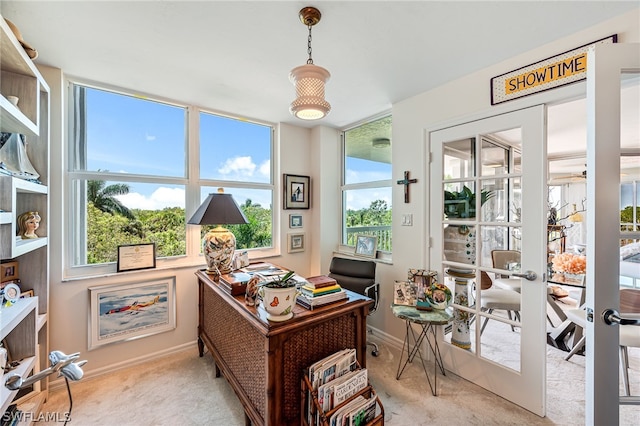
(295, 242)
(296, 192)
(295, 221)
(130, 311)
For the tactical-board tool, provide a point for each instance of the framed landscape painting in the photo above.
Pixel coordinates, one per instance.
(131, 311)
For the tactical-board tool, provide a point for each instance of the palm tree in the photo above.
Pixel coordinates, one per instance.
(104, 197)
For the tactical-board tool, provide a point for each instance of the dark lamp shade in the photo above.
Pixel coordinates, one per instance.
(218, 209)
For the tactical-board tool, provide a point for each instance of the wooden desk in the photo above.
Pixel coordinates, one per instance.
(263, 361)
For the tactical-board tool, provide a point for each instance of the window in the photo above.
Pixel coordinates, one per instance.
(366, 189)
(130, 177)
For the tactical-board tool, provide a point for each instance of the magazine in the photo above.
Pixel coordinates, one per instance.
(338, 418)
(364, 413)
(327, 369)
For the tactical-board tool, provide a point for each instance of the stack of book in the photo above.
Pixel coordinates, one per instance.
(320, 290)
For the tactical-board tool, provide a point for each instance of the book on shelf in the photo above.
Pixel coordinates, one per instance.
(312, 292)
(314, 302)
(321, 281)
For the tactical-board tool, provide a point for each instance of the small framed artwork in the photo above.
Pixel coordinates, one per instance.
(405, 293)
(132, 257)
(131, 311)
(296, 242)
(9, 271)
(366, 245)
(296, 192)
(295, 221)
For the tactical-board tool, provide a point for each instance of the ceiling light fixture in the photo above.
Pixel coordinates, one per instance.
(381, 142)
(309, 79)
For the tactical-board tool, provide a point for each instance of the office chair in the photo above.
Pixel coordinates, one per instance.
(358, 276)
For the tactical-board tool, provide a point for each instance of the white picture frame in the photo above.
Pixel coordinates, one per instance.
(130, 311)
(366, 245)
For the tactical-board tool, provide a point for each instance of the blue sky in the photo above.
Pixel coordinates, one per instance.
(130, 135)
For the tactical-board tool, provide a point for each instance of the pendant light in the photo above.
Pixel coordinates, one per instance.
(309, 79)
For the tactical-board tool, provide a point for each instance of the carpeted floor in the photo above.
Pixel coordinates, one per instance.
(181, 389)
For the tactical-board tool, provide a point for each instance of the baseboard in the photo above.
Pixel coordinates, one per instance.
(385, 338)
(58, 383)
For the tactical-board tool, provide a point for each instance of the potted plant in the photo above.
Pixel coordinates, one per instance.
(459, 240)
(462, 204)
(279, 296)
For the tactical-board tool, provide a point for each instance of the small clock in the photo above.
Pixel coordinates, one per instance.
(11, 293)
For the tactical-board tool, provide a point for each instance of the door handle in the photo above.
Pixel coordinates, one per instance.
(611, 316)
(527, 275)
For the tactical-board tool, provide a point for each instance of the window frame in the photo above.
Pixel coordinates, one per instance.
(191, 182)
(344, 187)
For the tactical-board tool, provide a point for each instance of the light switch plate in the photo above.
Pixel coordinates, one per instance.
(407, 219)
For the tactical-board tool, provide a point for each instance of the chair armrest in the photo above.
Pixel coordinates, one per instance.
(376, 291)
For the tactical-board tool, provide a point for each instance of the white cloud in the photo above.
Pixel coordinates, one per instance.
(265, 169)
(149, 137)
(158, 200)
(238, 167)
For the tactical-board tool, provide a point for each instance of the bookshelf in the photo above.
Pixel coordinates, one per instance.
(24, 325)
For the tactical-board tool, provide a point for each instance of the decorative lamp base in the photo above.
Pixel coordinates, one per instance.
(218, 246)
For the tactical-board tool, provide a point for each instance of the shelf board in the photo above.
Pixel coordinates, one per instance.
(26, 186)
(6, 218)
(6, 395)
(11, 316)
(26, 246)
(41, 320)
(14, 121)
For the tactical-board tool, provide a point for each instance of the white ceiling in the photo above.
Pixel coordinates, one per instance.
(236, 56)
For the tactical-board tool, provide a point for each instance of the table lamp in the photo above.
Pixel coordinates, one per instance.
(219, 244)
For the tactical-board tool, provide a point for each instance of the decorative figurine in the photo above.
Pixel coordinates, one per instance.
(251, 294)
(28, 223)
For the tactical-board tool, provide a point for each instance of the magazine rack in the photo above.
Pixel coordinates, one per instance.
(307, 389)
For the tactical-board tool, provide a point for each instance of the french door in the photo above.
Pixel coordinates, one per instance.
(612, 72)
(488, 192)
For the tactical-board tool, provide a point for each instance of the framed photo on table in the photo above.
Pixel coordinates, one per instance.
(296, 192)
(133, 257)
(9, 271)
(366, 245)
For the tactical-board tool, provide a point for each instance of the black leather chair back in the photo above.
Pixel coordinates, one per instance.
(354, 275)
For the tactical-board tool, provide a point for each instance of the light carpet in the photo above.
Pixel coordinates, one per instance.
(182, 389)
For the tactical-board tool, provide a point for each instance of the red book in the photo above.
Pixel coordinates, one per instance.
(321, 281)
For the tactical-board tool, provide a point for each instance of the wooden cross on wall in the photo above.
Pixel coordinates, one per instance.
(406, 181)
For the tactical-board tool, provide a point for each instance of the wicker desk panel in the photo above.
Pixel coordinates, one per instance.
(263, 361)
